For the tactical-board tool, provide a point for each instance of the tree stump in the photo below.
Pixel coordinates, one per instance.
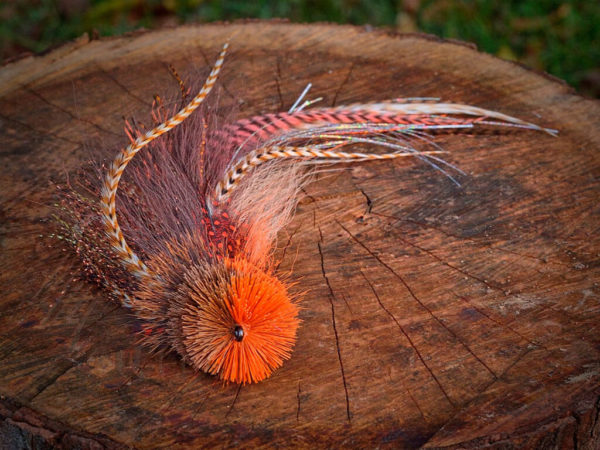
(433, 315)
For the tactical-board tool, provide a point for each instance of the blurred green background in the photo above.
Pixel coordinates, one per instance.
(561, 37)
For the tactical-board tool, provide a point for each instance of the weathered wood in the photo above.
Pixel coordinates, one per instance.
(434, 316)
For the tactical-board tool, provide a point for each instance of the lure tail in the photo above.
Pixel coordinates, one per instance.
(439, 111)
(420, 115)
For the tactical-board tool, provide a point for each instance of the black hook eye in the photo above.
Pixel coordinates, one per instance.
(238, 333)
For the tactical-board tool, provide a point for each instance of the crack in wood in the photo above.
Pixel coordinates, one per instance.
(497, 322)
(469, 239)
(467, 274)
(71, 363)
(49, 433)
(7, 350)
(483, 389)
(237, 394)
(136, 373)
(51, 380)
(174, 397)
(337, 341)
(201, 406)
(288, 243)
(125, 88)
(596, 420)
(66, 111)
(368, 200)
(40, 132)
(416, 404)
(464, 344)
(50, 279)
(298, 406)
(412, 344)
(453, 267)
(310, 197)
(83, 359)
(576, 431)
(82, 325)
(345, 299)
(102, 317)
(277, 78)
(344, 82)
(419, 301)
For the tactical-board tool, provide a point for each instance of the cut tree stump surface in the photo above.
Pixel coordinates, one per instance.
(433, 315)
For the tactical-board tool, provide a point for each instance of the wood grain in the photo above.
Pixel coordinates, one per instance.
(434, 316)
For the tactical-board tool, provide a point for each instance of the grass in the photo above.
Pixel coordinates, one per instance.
(558, 36)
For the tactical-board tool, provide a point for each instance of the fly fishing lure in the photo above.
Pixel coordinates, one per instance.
(202, 207)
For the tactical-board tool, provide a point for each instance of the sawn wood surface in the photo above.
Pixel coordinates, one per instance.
(432, 315)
